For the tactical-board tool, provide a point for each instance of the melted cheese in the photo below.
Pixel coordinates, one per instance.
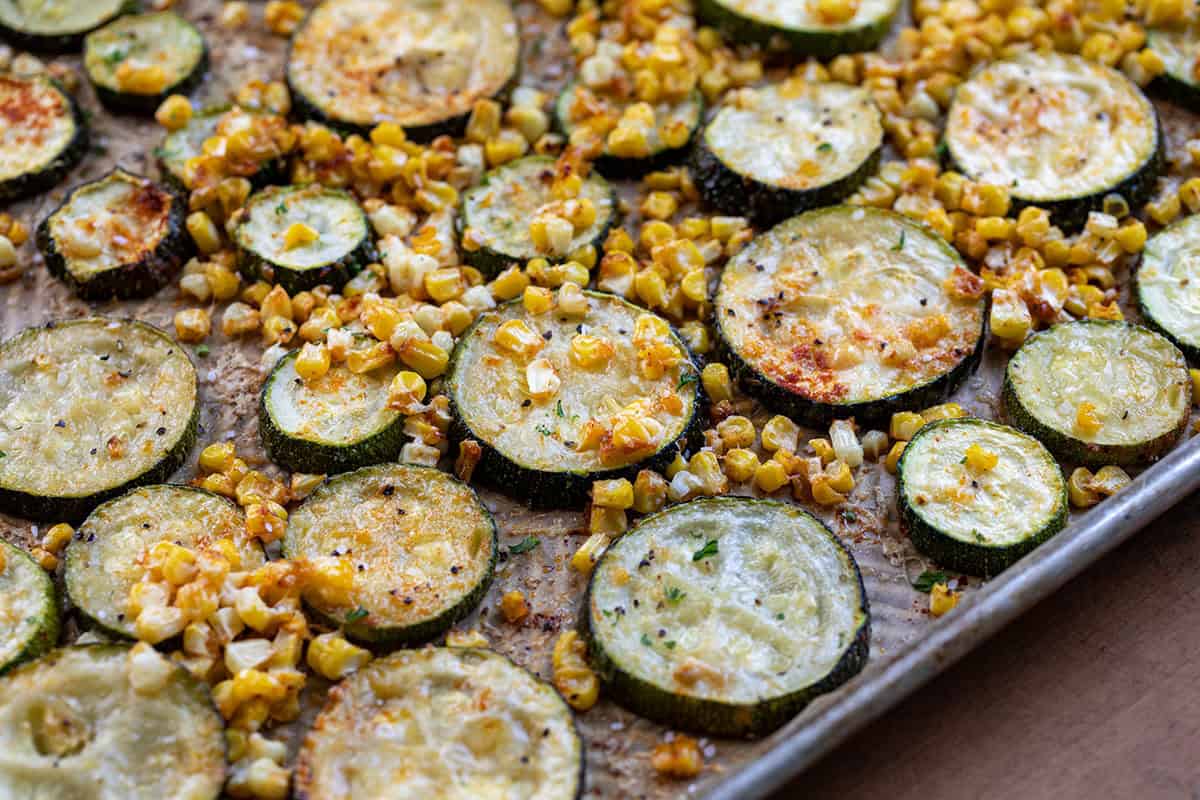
(803, 14)
(1180, 52)
(798, 135)
(772, 612)
(107, 556)
(1001, 506)
(490, 392)
(335, 216)
(117, 220)
(339, 408)
(501, 208)
(36, 125)
(72, 726)
(90, 405)
(1136, 380)
(25, 601)
(423, 541)
(451, 723)
(818, 303)
(50, 17)
(412, 62)
(162, 39)
(1051, 126)
(1168, 282)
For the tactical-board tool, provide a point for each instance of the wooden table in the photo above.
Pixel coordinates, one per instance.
(1095, 693)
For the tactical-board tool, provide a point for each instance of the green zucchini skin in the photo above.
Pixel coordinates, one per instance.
(1172, 87)
(139, 279)
(812, 42)
(32, 183)
(46, 635)
(967, 557)
(1190, 350)
(128, 102)
(302, 455)
(270, 173)
(60, 42)
(713, 717)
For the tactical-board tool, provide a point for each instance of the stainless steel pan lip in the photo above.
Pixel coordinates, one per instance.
(836, 717)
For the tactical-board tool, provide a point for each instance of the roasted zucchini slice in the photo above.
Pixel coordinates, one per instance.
(94, 721)
(420, 64)
(1059, 131)
(138, 60)
(798, 26)
(787, 148)
(421, 545)
(179, 146)
(1179, 48)
(91, 408)
(1099, 392)
(56, 26)
(626, 397)
(338, 422)
(1167, 285)
(976, 496)
(849, 311)
(726, 615)
(29, 621)
(577, 102)
(496, 214)
(108, 553)
(44, 135)
(302, 236)
(387, 729)
(120, 236)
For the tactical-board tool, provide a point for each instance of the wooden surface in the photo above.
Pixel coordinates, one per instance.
(1095, 693)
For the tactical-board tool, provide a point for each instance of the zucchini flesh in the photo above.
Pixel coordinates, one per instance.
(1179, 49)
(797, 26)
(107, 555)
(453, 723)
(1060, 131)
(726, 615)
(532, 448)
(29, 622)
(56, 25)
(421, 65)
(44, 135)
(1167, 285)
(979, 521)
(120, 236)
(338, 422)
(816, 316)
(1135, 381)
(179, 146)
(90, 408)
(499, 210)
(788, 148)
(342, 248)
(133, 42)
(73, 726)
(422, 544)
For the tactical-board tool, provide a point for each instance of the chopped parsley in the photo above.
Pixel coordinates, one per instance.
(675, 594)
(356, 615)
(544, 430)
(690, 377)
(524, 546)
(646, 640)
(558, 409)
(202, 350)
(115, 56)
(709, 549)
(824, 147)
(898, 246)
(928, 580)
(670, 643)
(281, 209)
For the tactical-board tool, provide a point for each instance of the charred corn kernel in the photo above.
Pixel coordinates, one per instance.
(823, 449)
(266, 521)
(1109, 480)
(770, 476)
(840, 478)
(680, 757)
(649, 491)
(234, 15)
(740, 464)
(255, 292)
(332, 657)
(941, 599)
(943, 411)
(571, 300)
(282, 16)
(426, 358)
(203, 232)
(736, 431)
(192, 325)
(1165, 210)
(655, 233)
(628, 141)
(537, 300)
(1010, 318)
(151, 79)
(302, 484)
(504, 147)
(259, 778)
(573, 678)
(780, 433)
(590, 351)
(509, 284)
(278, 330)
(716, 382)
(158, 623)
(616, 493)
(406, 390)
(707, 468)
(299, 234)
(608, 522)
(824, 493)
(445, 284)
(651, 288)
(1086, 419)
(484, 122)
(257, 487)
(369, 359)
(174, 113)
(219, 484)
(312, 362)
(1132, 235)
(518, 338)
(979, 459)
(585, 558)
(659, 205)
(222, 281)
(57, 537)
(239, 319)
(513, 606)
(3, 562)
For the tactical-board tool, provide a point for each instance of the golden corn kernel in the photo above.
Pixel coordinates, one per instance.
(941, 599)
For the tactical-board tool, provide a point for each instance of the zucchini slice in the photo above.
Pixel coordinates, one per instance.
(547, 450)
(498, 212)
(974, 520)
(1060, 131)
(44, 135)
(138, 60)
(29, 621)
(1167, 285)
(336, 423)
(422, 545)
(120, 236)
(343, 245)
(1132, 383)
(456, 723)
(844, 311)
(796, 25)
(726, 615)
(1179, 48)
(577, 102)
(420, 64)
(72, 725)
(788, 148)
(56, 26)
(108, 553)
(178, 147)
(89, 409)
